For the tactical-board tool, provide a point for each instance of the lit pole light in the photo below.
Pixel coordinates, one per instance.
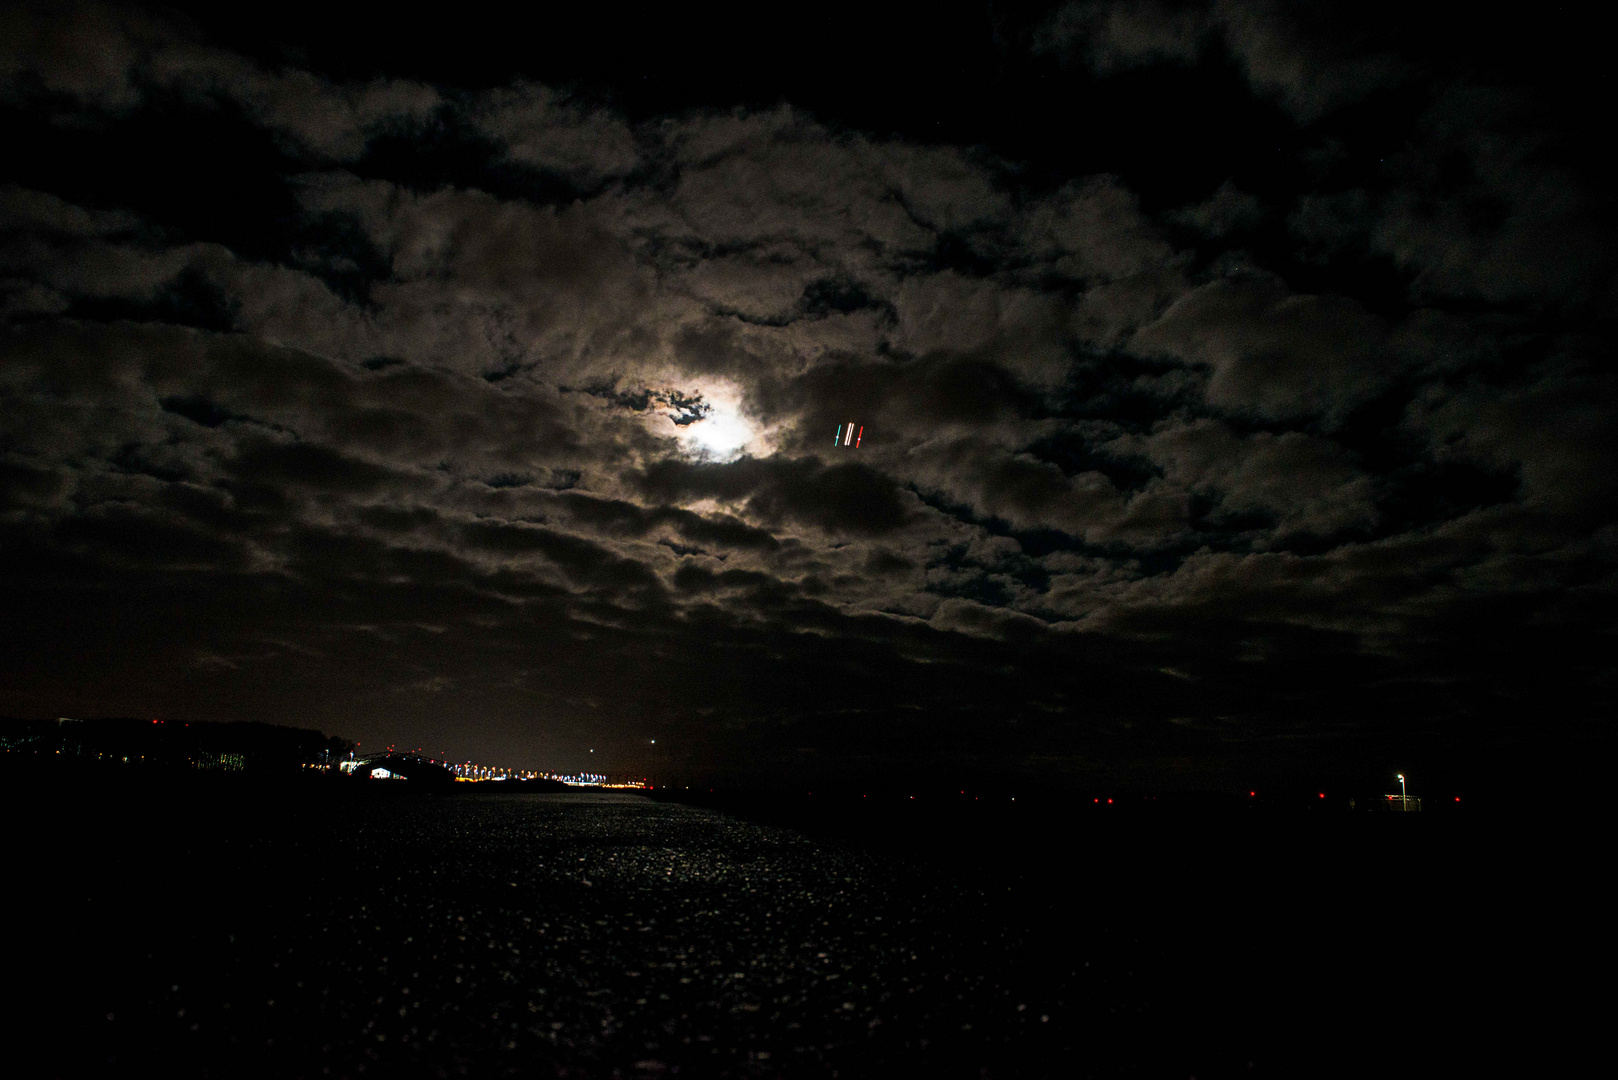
(1404, 799)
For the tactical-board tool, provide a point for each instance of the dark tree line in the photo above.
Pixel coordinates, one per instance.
(172, 744)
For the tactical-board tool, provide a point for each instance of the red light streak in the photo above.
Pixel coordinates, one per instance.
(858, 437)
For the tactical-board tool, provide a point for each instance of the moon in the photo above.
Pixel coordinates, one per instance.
(723, 433)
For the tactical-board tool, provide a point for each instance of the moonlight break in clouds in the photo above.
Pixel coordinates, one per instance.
(1233, 389)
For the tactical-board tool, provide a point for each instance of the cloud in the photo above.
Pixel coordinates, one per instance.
(1227, 210)
(1555, 434)
(87, 50)
(1308, 485)
(1273, 354)
(839, 498)
(25, 210)
(109, 56)
(1111, 37)
(460, 390)
(966, 616)
(1488, 211)
(1093, 231)
(548, 131)
(1308, 69)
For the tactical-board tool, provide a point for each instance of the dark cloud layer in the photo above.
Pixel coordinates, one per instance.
(496, 413)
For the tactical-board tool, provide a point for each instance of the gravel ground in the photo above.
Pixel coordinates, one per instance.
(596, 935)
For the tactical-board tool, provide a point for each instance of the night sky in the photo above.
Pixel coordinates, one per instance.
(1236, 386)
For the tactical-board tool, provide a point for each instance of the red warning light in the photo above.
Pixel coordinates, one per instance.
(1109, 802)
(1322, 794)
(1252, 794)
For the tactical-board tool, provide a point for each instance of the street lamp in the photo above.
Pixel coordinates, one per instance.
(1404, 800)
